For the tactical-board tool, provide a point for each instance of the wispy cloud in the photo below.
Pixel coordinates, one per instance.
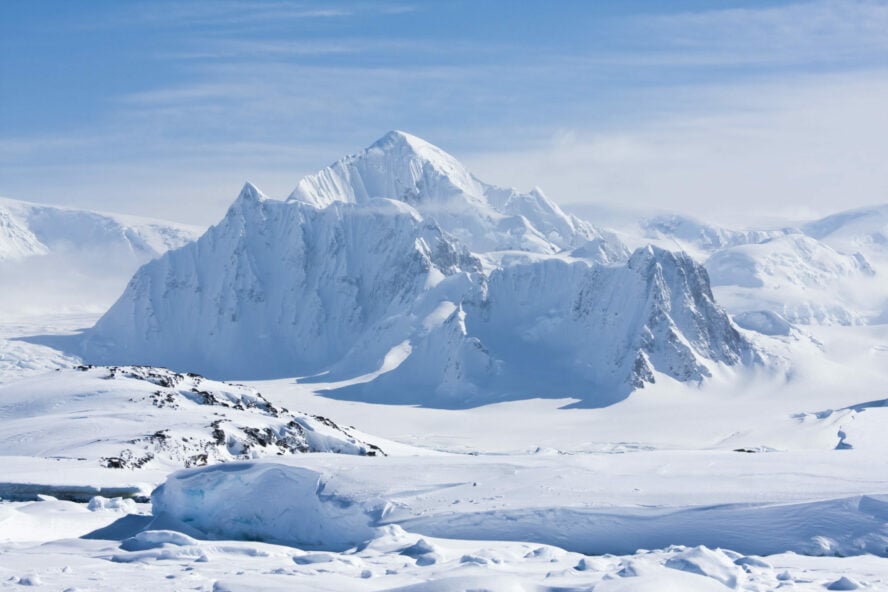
(240, 14)
(218, 48)
(825, 30)
(782, 104)
(799, 147)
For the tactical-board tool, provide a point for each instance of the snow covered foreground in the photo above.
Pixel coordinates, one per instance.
(129, 417)
(761, 477)
(338, 504)
(516, 496)
(464, 522)
(394, 560)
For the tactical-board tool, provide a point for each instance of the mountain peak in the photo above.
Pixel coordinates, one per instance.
(400, 144)
(402, 167)
(250, 192)
(397, 166)
(401, 137)
(395, 264)
(248, 199)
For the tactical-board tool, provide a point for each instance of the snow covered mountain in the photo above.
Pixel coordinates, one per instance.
(864, 229)
(28, 229)
(798, 277)
(57, 259)
(16, 239)
(482, 217)
(394, 275)
(828, 271)
(700, 238)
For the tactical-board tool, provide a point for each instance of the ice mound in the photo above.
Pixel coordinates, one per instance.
(321, 504)
(267, 502)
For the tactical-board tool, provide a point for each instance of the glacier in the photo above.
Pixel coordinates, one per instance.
(395, 275)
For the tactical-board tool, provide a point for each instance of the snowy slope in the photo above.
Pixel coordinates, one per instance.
(55, 259)
(404, 300)
(828, 271)
(859, 229)
(863, 230)
(481, 216)
(16, 239)
(800, 278)
(134, 417)
(33, 229)
(696, 236)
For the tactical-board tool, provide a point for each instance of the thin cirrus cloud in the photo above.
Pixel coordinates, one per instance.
(803, 31)
(756, 105)
(226, 13)
(796, 148)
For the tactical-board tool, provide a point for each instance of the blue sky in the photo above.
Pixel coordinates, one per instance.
(165, 108)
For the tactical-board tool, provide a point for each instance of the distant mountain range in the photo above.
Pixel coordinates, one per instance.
(830, 271)
(395, 275)
(55, 259)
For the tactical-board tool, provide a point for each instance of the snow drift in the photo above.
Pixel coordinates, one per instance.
(336, 506)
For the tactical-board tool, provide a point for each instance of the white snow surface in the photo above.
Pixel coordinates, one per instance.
(55, 259)
(760, 477)
(351, 274)
(483, 217)
(828, 271)
(800, 278)
(336, 504)
(49, 229)
(133, 417)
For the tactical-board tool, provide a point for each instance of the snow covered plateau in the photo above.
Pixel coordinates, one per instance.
(403, 378)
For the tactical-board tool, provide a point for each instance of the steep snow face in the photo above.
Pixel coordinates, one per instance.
(802, 279)
(580, 328)
(555, 328)
(483, 217)
(284, 289)
(16, 239)
(374, 298)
